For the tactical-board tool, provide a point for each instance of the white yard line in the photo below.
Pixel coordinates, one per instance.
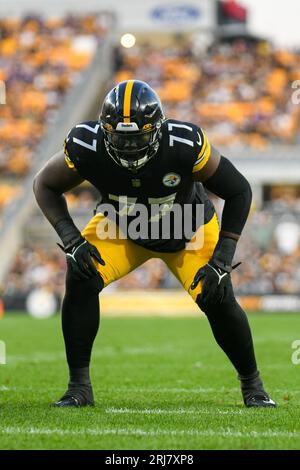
(199, 390)
(173, 390)
(179, 411)
(111, 390)
(40, 357)
(143, 432)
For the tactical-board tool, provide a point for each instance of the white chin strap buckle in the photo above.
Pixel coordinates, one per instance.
(137, 164)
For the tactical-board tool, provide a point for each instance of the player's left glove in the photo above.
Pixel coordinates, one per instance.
(216, 273)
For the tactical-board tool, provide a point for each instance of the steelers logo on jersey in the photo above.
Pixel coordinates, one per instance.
(171, 180)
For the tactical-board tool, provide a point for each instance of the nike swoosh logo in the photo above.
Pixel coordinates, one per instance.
(269, 402)
(199, 142)
(220, 276)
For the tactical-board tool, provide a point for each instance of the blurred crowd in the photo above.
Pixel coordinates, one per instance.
(34, 268)
(239, 92)
(40, 59)
(267, 270)
(83, 198)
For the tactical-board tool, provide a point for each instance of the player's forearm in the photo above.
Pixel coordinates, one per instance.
(54, 207)
(229, 184)
(235, 213)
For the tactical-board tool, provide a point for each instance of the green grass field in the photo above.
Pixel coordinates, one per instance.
(159, 383)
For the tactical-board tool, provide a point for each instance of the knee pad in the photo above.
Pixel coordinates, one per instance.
(94, 285)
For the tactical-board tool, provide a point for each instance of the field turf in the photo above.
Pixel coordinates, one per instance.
(160, 383)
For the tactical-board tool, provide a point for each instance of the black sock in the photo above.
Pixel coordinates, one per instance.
(232, 332)
(251, 382)
(80, 323)
(80, 385)
(80, 375)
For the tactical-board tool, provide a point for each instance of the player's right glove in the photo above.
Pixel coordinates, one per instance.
(216, 273)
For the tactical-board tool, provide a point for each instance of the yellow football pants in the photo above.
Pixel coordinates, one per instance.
(122, 255)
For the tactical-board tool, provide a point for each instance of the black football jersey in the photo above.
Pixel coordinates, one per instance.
(164, 182)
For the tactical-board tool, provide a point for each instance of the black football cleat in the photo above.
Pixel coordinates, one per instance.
(76, 396)
(253, 392)
(258, 400)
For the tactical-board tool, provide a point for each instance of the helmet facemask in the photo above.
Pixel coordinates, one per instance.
(130, 147)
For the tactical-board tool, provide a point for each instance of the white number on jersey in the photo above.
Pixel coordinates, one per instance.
(92, 146)
(175, 138)
(165, 205)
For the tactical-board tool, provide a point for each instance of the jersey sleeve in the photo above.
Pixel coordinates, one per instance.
(203, 151)
(80, 146)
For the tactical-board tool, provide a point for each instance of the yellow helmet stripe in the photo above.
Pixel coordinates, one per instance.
(127, 100)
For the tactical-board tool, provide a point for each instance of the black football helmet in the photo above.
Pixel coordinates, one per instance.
(131, 119)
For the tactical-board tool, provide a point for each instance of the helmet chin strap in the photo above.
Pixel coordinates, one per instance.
(137, 164)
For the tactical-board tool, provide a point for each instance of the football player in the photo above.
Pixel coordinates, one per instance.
(134, 154)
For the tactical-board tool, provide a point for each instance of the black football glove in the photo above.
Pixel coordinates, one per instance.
(79, 252)
(216, 273)
(79, 258)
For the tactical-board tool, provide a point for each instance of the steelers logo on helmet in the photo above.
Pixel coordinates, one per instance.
(171, 180)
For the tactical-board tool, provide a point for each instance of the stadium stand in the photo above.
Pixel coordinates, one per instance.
(239, 89)
(82, 36)
(41, 59)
